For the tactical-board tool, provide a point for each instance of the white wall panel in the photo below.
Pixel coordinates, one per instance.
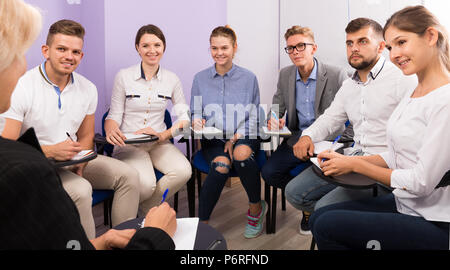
(326, 18)
(256, 25)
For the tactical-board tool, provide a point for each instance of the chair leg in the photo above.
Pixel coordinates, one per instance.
(267, 199)
(313, 244)
(375, 191)
(199, 181)
(191, 195)
(110, 212)
(106, 212)
(107, 216)
(274, 210)
(283, 200)
(175, 202)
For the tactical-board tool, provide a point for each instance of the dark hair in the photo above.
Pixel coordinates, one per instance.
(150, 29)
(359, 23)
(417, 19)
(65, 27)
(224, 31)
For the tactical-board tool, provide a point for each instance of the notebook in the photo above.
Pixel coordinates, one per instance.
(136, 138)
(185, 234)
(84, 154)
(210, 131)
(284, 131)
(326, 145)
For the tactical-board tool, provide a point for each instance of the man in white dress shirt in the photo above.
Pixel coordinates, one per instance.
(60, 104)
(367, 100)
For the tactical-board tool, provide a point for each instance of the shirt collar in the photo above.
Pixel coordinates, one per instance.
(312, 76)
(46, 78)
(229, 73)
(139, 73)
(374, 72)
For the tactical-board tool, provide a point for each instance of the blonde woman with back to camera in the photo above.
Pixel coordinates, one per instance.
(35, 210)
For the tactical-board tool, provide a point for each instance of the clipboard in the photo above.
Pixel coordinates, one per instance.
(282, 132)
(208, 132)
(81, 157)
(139, 138)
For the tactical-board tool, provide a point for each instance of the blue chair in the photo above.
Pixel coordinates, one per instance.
(105, 196)
(105, 148)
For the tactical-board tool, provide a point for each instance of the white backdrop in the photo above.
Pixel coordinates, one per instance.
(260, 26)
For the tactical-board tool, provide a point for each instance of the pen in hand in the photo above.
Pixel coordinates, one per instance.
(68, 135)
(331, 147)
(274, 116)
(164, 196)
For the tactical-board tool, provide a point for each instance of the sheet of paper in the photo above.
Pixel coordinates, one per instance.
(131, 136)
(208, 131)
(283, 131)
(315, 161)
(82, 154)
(326, 145)
(185, 234)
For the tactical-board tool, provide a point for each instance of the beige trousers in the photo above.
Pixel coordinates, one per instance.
(166, 158)
(103, 173)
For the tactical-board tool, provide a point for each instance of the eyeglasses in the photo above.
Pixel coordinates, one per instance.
(299, 47)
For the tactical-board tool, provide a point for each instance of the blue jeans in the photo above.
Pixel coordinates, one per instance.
(276, 170)
(247, 170)
(375, 224)
(308, 192)
(341, 194)
(304, 190)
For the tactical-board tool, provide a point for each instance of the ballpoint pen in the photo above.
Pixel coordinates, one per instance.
(68, 135)
(141, 225)
(164, 195)
(331, 147)
(274, 115)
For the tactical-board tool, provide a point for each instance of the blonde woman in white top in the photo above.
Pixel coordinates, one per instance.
(138, 103)
(417, 214)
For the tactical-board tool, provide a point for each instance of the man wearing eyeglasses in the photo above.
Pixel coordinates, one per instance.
(367, 100)
(304, 90)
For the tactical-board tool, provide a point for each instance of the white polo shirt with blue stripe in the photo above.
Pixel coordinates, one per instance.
(38, 102)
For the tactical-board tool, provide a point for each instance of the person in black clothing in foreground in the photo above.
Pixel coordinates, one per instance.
(35, 211)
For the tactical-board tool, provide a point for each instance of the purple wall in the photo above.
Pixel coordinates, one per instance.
(93, 65)
(111, 27)
(185, 24)
(52, 10)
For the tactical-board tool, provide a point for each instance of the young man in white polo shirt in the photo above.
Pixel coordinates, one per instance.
(367, 100)
(58, 102)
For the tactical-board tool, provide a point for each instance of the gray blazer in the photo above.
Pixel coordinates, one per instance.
(329, 81)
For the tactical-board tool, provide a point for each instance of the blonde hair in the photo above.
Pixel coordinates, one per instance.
(20, 24)
(298, 30)
(417, 19)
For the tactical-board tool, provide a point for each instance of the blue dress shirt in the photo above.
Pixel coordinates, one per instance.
(229, 102)
(305, 96)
